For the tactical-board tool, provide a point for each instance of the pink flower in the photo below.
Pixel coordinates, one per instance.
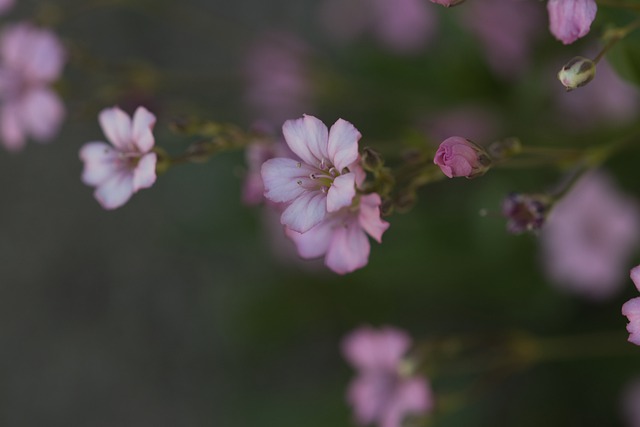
(342, 236)
(128, 164)
(589, 236)
(507, 30)
(324, 181)
(6, 5)
(30, 59)
(382, 393)
(631, 309)
(571, 19)
(458, 156)
(403, 26)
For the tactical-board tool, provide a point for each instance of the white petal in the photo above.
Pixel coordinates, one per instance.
(341, 192)
(307, 138)
(143, 122)
(315, 242)
(343, 144)
(349, 249)
(281, 177)
(101, 162)
(115, 191)
(145, 173)
(116, 125)
(305, 211)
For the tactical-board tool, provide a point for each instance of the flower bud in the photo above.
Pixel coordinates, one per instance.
(372, 161)
(525, 212)
(447, 3)
(458, 156)
(578, 72)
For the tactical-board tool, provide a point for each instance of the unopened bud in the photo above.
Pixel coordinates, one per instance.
(371, 160)
(525, 212)
(458, 156)
(578, 72)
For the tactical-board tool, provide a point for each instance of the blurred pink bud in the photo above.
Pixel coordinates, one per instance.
(525, 212)
(458, 156)
(447, 3)
(128, 164)
(323, 181)
(342, 236)
(386, 389)
(570, 20)
(631, 309)
(30, 60)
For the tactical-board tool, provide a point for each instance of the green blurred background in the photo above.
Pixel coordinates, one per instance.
(178, 309)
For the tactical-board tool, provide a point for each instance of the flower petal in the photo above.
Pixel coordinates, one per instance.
(144, 174)
(571, 19)
(315, 242)
(305, 211)
(370, 349)
(115, 191)
(369, 218)
(411, 396)
(116, 125)
(307, 137)
(42, 113)
(343, 144)
(143, 122)
(349, 249)
(281, 177)
(11, 127)
(101, 162)
(341, 192)
(635, 276)
(631, 309)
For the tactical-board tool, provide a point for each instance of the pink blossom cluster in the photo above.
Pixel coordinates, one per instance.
(317, 189)
(31, 59)
(631, 309)
(386, 389)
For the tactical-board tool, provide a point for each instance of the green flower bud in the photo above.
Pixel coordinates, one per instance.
(578, 72)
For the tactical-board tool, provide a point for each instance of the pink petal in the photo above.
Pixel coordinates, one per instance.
(305, 212)
(411, 396)
(370, 349)
(6, 5)
(631, 309)
(11, 127)
(635, 276)
(45, 58)
(369, 218)
(116, 125)
(281, 179)
(144, 174)
(307, 137)
(101, 162)
(368, 394)
(315, 242)
(349, 249)
(143, 122)
(14, 42)
(343, 144)
(570, 20)
(115, 191)
(341, 192)
(42, 113)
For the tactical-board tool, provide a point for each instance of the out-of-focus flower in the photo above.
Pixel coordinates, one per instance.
(577, 73)
(458, 156)
(30, 60)
(403, 26)
(278, 83)
(128, 164)
(631, 309)
(525, 212)
(609, 99)
(342, 236)
(507, 30)
(385, 391)
(447, 3)
(5, 5)
(589, 236)
(630, 403)
(324, 181)
(570, 20)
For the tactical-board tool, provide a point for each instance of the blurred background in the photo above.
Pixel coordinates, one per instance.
(185, 307)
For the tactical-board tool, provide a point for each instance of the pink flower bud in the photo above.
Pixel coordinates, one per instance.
(458, 156)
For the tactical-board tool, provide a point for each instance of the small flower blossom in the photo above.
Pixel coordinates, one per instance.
(128, 164)
(577, 73)
(342, 236)
(525, 212)
(386, 390)
(631, 309)
(458, 156)
(30, 60)
(570, 20)
(589, 236)
(325, 179)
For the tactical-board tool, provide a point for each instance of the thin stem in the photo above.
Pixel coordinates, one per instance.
(615, 36)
